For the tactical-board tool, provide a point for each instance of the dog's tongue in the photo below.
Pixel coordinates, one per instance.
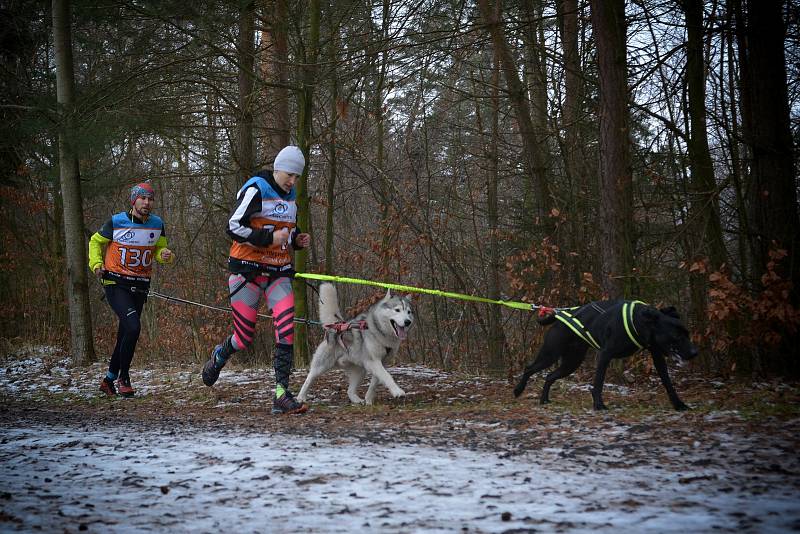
(400, 331)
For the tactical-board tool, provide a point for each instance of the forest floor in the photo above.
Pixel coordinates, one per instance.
(458, 453)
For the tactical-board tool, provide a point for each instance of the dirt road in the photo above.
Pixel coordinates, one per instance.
(458, 454)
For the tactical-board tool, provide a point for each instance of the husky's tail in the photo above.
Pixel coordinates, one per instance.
(329, 304)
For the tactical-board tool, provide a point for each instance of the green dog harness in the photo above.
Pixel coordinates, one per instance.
(574, 324)
(580, 330)
(627, 320)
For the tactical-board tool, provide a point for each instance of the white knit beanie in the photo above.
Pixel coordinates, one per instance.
(290, 159)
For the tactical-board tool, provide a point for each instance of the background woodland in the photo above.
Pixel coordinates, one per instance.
(549, 151)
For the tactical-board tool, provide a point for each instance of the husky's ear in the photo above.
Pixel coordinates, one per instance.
(388, 294)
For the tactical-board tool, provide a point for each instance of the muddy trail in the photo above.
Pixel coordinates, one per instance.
(458, 453)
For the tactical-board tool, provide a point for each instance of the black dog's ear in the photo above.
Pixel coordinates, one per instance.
(671, 311)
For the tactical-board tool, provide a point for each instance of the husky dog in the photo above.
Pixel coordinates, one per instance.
(372, 337)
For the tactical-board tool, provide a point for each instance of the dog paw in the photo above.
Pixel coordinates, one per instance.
(601, 407)
(681, 407)
(398, 393)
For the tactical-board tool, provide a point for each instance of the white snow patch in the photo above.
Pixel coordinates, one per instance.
(126, 479)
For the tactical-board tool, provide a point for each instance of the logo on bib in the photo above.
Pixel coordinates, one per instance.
(127, 236)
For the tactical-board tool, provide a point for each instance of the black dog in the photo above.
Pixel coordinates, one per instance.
(617, 329)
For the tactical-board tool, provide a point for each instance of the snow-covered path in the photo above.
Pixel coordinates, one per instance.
(98, 478)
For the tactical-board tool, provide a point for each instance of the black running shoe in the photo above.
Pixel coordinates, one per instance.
(210, 371)
(288, 405)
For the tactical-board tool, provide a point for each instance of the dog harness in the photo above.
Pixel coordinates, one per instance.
(627, 320)
(334, 331)
(577, 327)
(580, 330)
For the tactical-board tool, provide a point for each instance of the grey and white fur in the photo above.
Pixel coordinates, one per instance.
(361, 351)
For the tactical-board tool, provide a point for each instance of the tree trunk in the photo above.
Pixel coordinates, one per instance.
(705, 233)
(577, 207)
(537, 88)
(616, 195)
(74, 231)
(534, 166)
(332, 150)
(386, 226)
(734, 138)
(772, 193)
(304, 133)
(245, 157)
(274, 59)
(496, 344)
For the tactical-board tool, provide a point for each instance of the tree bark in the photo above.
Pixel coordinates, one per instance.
(616, 195)
(536, 72)
(537, 181)
(304, 135)
(380, 120)
(274, 59)
(245, 158)
(496, 344)
(706, 230)
(575, 167)
(332, 150)
(772, 192)
(74, 231)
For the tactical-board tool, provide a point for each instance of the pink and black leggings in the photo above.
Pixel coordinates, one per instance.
(245, 303)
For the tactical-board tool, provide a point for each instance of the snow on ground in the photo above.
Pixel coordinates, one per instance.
(124, 479)
(455, 459)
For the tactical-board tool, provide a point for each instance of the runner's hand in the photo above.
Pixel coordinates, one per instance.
(280, 237)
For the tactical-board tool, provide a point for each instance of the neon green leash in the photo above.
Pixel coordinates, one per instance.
(412, 289)
(562, 314)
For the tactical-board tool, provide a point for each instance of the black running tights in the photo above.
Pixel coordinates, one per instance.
(128, 306)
